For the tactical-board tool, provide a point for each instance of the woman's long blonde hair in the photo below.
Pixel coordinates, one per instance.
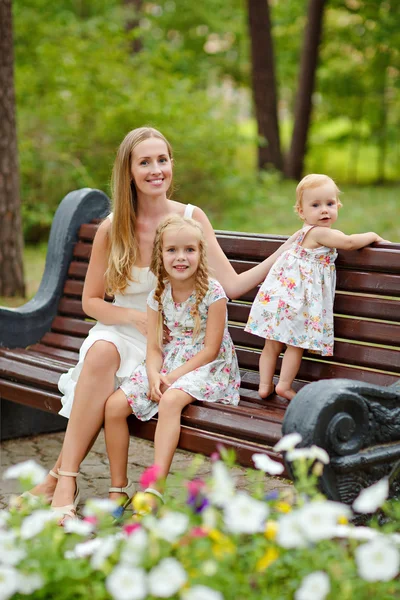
(123, 245)
(157, 267)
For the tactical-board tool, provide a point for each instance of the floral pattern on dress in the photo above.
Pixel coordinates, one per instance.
(294, 305)
(217, 381)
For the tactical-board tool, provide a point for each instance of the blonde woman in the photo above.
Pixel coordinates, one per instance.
(119, 264)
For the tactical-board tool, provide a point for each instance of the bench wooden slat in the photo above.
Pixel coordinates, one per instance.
(36, 397)
(29, 374)
(77, 270)
(353, 329)
(72, 326)
(30, 357)
(68, 356)
(59, 340)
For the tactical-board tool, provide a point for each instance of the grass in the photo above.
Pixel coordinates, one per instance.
(34, 261)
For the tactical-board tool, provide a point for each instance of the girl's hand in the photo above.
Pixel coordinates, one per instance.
(166, 382)
(155, 392)
(139, 320)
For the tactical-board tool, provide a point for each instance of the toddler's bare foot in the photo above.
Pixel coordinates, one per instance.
(285, 391)
(266, 389)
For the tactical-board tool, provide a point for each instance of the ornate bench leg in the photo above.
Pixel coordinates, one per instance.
(358, 424)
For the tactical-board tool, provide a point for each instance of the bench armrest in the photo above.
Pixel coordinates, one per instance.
(357, 423)
(26, 325)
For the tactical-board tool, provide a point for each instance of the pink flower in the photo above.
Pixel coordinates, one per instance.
(92, 520)
(149, 476)
(131, 527)
(198, 532)
(195, 486)
(214, 457)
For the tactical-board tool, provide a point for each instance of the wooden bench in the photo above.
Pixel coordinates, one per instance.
(41, 340)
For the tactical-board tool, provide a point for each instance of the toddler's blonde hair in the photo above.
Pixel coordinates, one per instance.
(309, 182)
(157, 267)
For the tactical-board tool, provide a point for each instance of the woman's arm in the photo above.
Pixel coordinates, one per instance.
(333, 238)
(234, 284)
(212, 342)
(93, 302)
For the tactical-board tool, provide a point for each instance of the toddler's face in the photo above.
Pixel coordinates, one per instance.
(320, 205)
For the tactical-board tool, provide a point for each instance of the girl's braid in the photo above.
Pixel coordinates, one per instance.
(157, 267)
(201, 286)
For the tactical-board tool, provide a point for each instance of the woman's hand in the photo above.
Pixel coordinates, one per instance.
(139, 320)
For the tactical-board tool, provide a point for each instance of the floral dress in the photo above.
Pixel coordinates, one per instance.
(217, 381)
(294, 305)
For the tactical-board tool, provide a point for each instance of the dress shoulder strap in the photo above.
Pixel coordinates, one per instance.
(189, 211)
(303, 233)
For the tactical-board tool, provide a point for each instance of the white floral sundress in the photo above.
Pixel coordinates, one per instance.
(217, 381)
(294, 305)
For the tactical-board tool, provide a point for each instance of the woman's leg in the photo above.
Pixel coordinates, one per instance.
(169, 428)
(290, 367)
(268, 359)
(94, 386)
(117, 439)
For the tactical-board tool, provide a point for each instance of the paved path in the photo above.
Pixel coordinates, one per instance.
(94, 478)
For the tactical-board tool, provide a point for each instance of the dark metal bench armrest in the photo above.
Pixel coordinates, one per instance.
(20, 327)
(357, 423)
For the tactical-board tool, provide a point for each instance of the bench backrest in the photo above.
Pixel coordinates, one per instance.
(367, 310)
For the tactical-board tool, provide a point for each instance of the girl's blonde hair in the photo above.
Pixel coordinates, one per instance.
(157, 267)
(123, 244)
(309, 182)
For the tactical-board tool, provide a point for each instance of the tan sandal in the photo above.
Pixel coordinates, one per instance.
(68, 510)
(128, 491)
(32, 498)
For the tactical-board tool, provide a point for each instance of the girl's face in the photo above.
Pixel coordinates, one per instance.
(320, 205)
(151, 167)
(181, 253)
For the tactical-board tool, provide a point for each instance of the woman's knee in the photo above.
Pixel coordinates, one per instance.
(102, 356)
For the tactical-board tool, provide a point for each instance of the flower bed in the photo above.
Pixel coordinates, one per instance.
(210, 543)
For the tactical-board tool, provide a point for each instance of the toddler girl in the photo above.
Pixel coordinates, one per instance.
(197, 363)
(294, 306)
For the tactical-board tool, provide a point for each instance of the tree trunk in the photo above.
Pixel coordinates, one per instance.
(264, 84)
(11, 244)
(303, 106)
(132, 22)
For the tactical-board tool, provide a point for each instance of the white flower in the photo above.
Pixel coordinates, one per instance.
(244, 514)
(78, 526)
(288, 442)
(166, 578)
(290, 532)
(4, 518)
(318, 520)
(103, 551)
(372, 498)
(315, 586)
(209, 517)
(127, 583)
(223, 486)
(8, 582)
(378, 560)
(34, 523)
(29, 583)
(209, 568)
(266, 464)
(26, 470)
(134, 547)
(84, 549)
(10, 554)
(169, 527)
(99, 506)
(312, 453)
(356, 533)
(202, 592)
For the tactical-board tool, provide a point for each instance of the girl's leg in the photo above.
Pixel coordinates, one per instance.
(94, 386)
(290, 367)
(268, 359)
(117, 439)
(169, 428)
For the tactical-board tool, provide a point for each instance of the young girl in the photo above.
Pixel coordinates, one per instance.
(119, 263)
(294, 306)
(199, 361)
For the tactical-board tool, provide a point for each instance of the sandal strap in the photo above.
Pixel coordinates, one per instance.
(53, 474)
(67, 473)
(156, 493)
(122, 490)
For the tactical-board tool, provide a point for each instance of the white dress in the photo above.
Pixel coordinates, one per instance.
(130, 343)
(294, 305)
(216, 381)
